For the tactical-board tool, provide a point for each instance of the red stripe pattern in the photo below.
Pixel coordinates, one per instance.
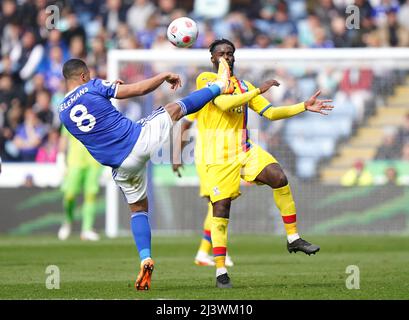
(219, 251)
(290, 219)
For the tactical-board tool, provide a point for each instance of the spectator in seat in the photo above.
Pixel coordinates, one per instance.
(166, 8)
(262, 41)
(392, 33)
(321, 40)
(340, 36)
(391, 176)
(54, 39)
(326, 12)
(52, 69)
(97, 56)
(36, 84)
(10, 37)
(27, 56)
(9, 121)
(48, 151)
(358, 175)
(75, 29)
(403, 15)
(113, 14)
(7, 91)
(389, 148)
(42, 108)
(147, 36)
(138, 14)
(405, 152)
(29, 136)
(355, 86)
(282, 26)
(77, 48)
(366, 23)
(403, 132)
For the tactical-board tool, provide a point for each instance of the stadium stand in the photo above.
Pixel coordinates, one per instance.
(32, 56)
(375, 140)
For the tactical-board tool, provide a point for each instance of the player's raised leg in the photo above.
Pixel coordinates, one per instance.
(198, 99)
(274, 176)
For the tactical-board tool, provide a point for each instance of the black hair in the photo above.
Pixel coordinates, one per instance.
(73, 67)
(215, 43)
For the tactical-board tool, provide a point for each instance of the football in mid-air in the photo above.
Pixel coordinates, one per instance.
(182, 32)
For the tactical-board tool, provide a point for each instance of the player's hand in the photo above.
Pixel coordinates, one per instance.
(315, 105)
(176, 169)
(268, 84)
(174, 80)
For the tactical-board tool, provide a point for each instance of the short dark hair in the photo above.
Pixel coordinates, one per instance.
(215, 43)
(73, 67)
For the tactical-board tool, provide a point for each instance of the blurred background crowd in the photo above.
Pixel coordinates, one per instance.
(31, 58)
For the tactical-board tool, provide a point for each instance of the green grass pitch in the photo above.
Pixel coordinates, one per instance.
(263, 269)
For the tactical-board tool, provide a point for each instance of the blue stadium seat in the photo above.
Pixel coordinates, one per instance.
(313, 137)
(306, 87)
(308, 128)
(317, 147)
(306, 167)
(344, 109)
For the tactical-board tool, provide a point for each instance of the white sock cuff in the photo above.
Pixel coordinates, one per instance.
(139, 213)
(220, 271)
(292, 237)
(220, 84)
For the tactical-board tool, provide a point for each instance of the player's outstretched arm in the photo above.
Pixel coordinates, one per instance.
(148, 85)
(312, 104)
(229, 101)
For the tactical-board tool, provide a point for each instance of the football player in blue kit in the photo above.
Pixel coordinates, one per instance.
(126, 146)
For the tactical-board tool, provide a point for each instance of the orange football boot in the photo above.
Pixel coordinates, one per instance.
(143, 281)
(223, 76)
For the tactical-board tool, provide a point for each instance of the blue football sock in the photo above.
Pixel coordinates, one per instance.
(141, 231)
(198, 99)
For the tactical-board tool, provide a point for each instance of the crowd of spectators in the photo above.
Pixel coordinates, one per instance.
(395, 148)
(32, 53)
(393, 151)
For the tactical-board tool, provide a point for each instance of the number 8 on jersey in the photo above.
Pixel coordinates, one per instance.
(85, 121)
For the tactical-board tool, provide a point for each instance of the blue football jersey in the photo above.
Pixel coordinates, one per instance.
(89, 115)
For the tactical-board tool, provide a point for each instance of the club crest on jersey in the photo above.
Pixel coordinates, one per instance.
(237, 109)
(216, 191)
(107, 83)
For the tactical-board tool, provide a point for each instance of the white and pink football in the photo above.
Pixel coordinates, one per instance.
(182, 32)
